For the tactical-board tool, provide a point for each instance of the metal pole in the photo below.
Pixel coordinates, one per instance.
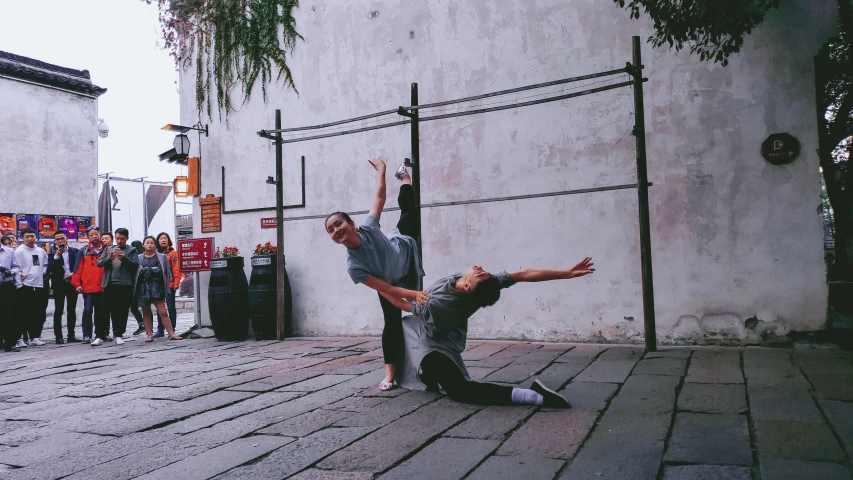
(279, 231)
(643, 203)
(196, 289)
(144, 211)
(416, 171)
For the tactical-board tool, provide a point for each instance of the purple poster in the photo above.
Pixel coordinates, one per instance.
(68, 226)
(83, 224)
(27, 221)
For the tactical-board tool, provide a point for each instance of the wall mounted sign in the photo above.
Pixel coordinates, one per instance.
(47, 227)
(211, 213)
(195, 254)
(780, 149)
(68, 226)
(269, 222)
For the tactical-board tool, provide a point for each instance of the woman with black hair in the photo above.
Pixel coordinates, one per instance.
(152, 280)
(164, 246)
(389, 264)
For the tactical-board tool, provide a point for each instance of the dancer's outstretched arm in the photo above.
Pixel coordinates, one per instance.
(389, 290)
(540, 275)
(398, 302)
(379, 201)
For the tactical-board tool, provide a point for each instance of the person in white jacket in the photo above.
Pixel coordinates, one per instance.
(32, 286)
(9, 274)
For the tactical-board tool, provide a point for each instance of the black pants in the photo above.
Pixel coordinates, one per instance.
(32, 307)
(137, 314)
(64, 294)
(117, 299)
(392, 334)
(437, 368)
(9, 318)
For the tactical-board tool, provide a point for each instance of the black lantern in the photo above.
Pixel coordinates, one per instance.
(182, 145)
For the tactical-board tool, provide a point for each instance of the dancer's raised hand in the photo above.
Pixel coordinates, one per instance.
(379, 165)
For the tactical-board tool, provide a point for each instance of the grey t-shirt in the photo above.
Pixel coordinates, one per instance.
(393, 258)
(115, 272)
(439, 326)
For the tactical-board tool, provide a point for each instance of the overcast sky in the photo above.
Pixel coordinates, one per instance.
(118, 42)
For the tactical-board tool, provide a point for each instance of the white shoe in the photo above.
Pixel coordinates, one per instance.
(21, 344)
(37, 342)
(96, 342)
(119, 341)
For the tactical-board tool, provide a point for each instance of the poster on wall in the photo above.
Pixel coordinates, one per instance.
(83, 224)
(25, 220)
(7, 223)
(68, 226)
(47, 227)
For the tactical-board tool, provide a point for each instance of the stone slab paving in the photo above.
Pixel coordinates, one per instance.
(308, 408)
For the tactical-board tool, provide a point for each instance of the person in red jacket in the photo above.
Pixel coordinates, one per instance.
(164, 246)
(87, 280)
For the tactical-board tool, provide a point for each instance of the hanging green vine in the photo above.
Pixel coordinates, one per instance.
(230, 42)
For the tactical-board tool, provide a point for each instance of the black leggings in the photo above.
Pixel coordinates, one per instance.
(392, 334)
(437, 368)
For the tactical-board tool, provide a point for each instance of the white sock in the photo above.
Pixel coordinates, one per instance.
(526, 396)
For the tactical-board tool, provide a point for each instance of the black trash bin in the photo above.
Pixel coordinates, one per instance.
(262, 297)
(228, 299)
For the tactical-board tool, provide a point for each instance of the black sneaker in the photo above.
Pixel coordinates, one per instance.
(139, 331)
(60, 341)
(551, 398)
(73, 340)
(13, 349)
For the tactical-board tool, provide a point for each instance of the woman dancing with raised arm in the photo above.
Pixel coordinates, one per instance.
(388, 264)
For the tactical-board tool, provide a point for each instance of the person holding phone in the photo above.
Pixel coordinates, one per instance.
(61, 265)
(120, 263)
(32, 286)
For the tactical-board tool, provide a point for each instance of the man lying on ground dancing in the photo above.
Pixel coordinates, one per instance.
(435, 336)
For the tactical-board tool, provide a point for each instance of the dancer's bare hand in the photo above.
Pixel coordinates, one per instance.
(379, 165)
(421, 298)
(582, 268)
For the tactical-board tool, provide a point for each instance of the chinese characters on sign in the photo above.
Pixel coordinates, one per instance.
(268, 222)
(195, 254)
(211, 214)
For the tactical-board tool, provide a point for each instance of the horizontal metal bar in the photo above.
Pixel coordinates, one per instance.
(225, 211)
(331, 124)
(519, 89)
(347, 132)
(486, 200)
(531, 102)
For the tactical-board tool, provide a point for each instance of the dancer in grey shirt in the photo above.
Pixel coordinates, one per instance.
(435, 336)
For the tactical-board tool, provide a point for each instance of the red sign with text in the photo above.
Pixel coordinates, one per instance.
(268, 222)
(195, 254)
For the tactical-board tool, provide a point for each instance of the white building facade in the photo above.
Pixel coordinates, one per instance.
(48, 139)
(736, 241)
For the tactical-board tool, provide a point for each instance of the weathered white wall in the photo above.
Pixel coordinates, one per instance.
(733, 237)
(48, 150)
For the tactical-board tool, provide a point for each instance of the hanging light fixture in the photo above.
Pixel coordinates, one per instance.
(181, 186)
(182, 145)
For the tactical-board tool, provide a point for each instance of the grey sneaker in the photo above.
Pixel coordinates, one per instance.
(401, 172)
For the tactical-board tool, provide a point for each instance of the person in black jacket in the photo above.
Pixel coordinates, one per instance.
(61, 264)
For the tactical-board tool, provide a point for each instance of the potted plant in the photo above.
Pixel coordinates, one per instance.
(264, 254)
(263, 291)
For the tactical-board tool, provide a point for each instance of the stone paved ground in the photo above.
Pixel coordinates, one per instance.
(309, 408)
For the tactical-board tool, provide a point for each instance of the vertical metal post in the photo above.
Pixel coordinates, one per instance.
(416, 170)
(197, 304)
(643, 197)
(145, 211)
(279, 231)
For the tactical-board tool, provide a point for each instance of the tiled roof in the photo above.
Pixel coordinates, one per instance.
(36, 71)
